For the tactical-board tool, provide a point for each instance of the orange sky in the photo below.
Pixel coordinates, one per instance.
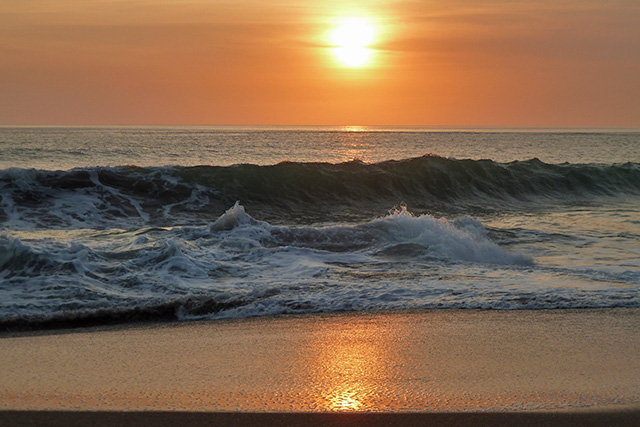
(558, 63)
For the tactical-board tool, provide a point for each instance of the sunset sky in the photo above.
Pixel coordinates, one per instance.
(548, 63)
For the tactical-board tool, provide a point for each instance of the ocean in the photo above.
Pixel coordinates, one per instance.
(104, 225)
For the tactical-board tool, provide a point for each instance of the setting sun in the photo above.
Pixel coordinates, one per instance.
(352, 39)
(319, 212)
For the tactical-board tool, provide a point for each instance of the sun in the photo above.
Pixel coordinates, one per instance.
(351, 40)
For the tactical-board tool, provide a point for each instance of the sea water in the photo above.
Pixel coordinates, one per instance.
(103, 225)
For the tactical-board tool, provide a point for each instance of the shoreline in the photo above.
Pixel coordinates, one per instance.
(419, 362)
(161, 324)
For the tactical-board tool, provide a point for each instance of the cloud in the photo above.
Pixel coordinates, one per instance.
(587, 31)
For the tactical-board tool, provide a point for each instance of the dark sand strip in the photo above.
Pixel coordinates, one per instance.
(187, 419)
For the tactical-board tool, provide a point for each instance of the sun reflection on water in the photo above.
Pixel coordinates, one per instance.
(345, 401)
(350, 368)
(355, 129)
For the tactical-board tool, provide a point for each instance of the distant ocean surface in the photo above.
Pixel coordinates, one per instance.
(116, 225)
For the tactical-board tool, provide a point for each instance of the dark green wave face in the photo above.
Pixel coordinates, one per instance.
(302, 193)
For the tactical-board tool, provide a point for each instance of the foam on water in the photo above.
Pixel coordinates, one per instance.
(240, 266)
(233, 217)
(497, 220)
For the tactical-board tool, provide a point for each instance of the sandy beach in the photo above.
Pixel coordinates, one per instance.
(457, 367)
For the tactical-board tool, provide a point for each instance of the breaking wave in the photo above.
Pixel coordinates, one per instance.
(236, 266)
(291, 192)
(239, 266)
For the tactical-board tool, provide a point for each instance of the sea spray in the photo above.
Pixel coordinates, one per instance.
(239, 266)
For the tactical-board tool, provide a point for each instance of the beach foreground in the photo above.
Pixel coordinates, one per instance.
(573, 365)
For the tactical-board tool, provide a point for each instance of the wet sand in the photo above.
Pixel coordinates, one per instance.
(316, 369)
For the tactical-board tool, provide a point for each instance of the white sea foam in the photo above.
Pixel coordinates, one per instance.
(233, 217)
(464, 240)
(240, 266)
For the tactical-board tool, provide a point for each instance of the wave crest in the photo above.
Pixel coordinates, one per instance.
(292, 192)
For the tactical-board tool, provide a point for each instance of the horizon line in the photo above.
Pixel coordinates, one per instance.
(335, 126)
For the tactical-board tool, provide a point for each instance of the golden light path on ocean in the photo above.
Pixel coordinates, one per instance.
(348, 369)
